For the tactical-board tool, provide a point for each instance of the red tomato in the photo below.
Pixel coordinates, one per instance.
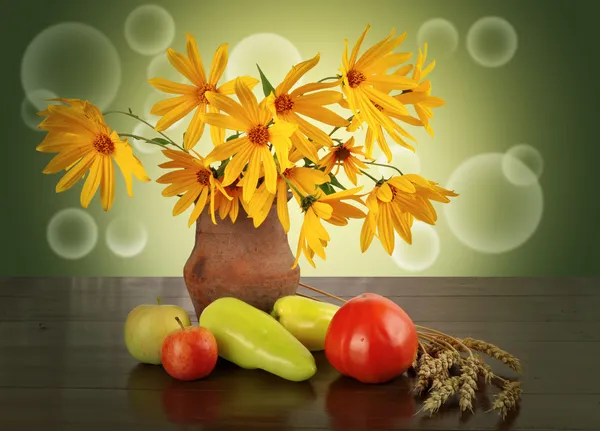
(371, 339)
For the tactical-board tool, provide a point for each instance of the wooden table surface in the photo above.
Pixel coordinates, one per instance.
(63, 364)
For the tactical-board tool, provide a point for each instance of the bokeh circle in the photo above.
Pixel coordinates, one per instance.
(161, 67)
(441, 37)
(149, 29)
(72, 60)
(126, 237)
(422, 253)
(523, 165)
(491, 214)
(72, 233)
(492, 41)
(273, 53)
(33, 103)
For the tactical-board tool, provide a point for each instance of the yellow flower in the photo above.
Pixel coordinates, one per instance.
(83, 141)
(289, 106)
(313, 236)
(363, 78)
(194, 179)
(344, 155)
(306, 180)
(252, 149)
(230, 206)
(193, 96)
(395, 203)
(420, 97)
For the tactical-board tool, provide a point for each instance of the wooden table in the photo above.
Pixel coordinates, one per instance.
(63, 364)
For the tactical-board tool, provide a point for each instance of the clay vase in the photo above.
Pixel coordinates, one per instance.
(241, 261)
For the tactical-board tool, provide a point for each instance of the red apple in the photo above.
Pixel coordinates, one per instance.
(189, 353)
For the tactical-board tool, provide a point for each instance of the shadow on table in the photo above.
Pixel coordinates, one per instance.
(229, 395)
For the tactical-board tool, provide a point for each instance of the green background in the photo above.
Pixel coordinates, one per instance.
(546, 96)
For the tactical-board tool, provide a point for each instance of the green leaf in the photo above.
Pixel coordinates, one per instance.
(266, 85)
(335, 182)
(130, 111)
(232, 137)
(160, 141)
(308, 162)
(326, 187)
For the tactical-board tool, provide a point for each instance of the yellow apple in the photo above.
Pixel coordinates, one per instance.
(147, 326)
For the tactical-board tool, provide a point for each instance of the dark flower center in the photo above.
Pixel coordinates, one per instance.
(283, 104)
(342, 153)
(355, 78)
(201, 92)
(259, 135)
(203, 176)
(103, 144)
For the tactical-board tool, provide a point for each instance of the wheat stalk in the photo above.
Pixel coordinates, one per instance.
(493, 352)
(508, 399)
(468, 383)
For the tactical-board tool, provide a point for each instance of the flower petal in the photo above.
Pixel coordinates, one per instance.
(162, 107)
(252, 175)
(282, 205)
(195, 129)
(226, 149)
(194, 56)
(184, 66)
(171, 87)
(75, 173)
(222, 121)
(229, 86)
(228, 105)
(294, 75)
(270, 170)
(107, 185)
(176, 114)
(248, 100)
(187, 199)
(237, 163)
(218, 64)
(92, 181)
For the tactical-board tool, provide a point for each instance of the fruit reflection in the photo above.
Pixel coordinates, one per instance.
(229, 394)
(354, 405)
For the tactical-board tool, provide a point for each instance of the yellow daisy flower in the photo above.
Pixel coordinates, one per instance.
(344, 155)
(193, 96)
(420, 97)
(252, 149)
(305, 180)
(290, 106)
(395, 203)
(313, 235)
(194, 179)
(362, 78)
(84, 143)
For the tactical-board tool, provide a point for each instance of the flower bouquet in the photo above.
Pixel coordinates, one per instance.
(267, 155)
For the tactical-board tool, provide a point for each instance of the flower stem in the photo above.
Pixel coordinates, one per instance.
(385, 166)
(292, 186)
(335, 129)
(141, 138)
(368, 175)
(147, 124)
(329, 77)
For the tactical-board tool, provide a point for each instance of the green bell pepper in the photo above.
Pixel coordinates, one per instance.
(252, 339)
(307, 319)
